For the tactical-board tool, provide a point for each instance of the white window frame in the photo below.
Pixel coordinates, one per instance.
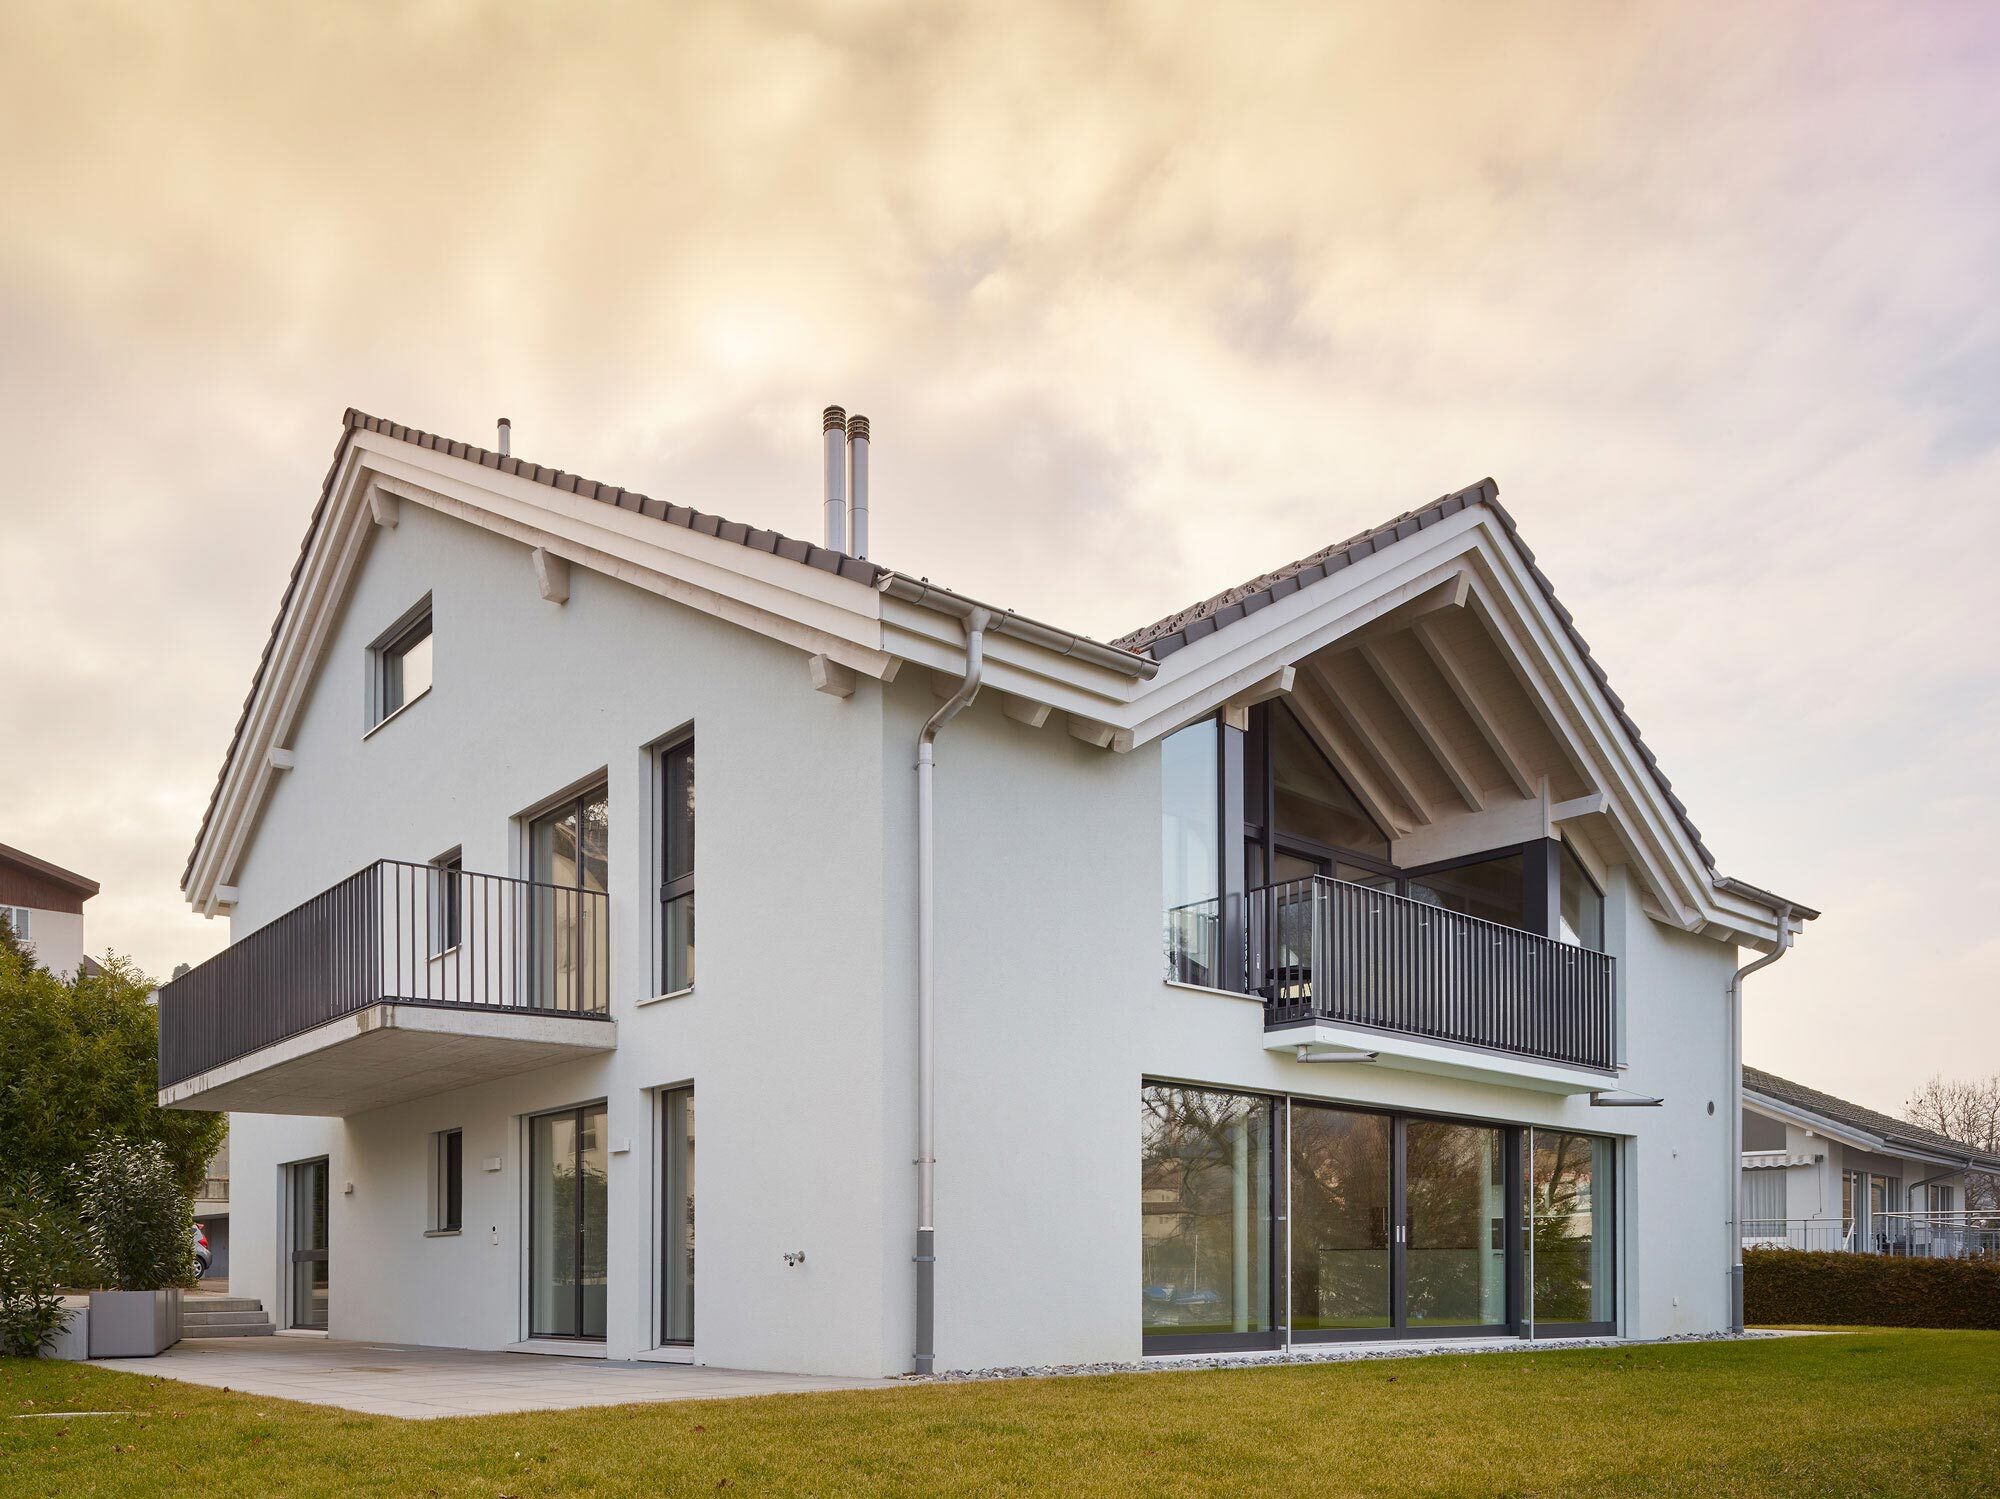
(385, 654)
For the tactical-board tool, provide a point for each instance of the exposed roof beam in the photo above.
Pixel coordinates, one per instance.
(1450, 594)
(382, 508)
(1579, 806)
(1319, 712)
(1511, 759)
(1236, 712)
(830, 677)
(1100, 735)
(1427, 730)
(1024, 710)
(1364, 728)
(551, 575)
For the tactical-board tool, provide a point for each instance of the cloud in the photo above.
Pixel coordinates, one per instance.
(1140, 300)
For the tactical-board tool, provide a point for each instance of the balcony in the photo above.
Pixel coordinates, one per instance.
(1343, 968)
(400, 981)
(1919, 1235)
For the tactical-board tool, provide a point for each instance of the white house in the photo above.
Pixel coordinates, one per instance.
(1442, 1043)
(42, 903)
(1822, 1173)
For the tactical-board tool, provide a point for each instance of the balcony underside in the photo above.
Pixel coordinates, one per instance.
(1439, 1058)
(390, 1053)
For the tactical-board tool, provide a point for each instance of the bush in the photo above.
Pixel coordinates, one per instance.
(1876, 1290)
(138, 1221)
(37, 1255)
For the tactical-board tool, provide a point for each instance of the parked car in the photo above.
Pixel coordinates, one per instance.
(201, 1251)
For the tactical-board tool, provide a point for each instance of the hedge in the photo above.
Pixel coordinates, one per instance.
(1800, 1286)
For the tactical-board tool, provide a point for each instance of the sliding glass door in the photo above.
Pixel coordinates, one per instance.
(567, 1220)
(568, 859)
(1384, 1225)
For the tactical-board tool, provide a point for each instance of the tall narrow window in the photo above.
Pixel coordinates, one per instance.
(1582, 914)
(448, 1175)
(447, 903)
(568, 1210)
(677, 868)
(677, 1216)
(402, 665)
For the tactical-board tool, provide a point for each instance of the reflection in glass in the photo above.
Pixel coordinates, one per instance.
(568, 848)
(1456, 1250)
(1205, 1192)
(1582, 913)
(567, 1224)
(677, 1218)
(1340, 1219)
(1190, 832)
(1309, 799)
(1569, 1226)
(309, 1244)
(1492, 889)
(677, 870)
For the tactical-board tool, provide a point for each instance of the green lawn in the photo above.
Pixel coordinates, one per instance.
(1896, 1413)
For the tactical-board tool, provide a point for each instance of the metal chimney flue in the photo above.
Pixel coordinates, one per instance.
(857, 480)
(506, 436)
(833, 429)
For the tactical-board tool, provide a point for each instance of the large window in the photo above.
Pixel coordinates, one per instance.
(1310, 803)
(1491, 889)
(1384, 1225)
(677, 1216)
(677, 868)
(567, 1221)
(1191, 849)
(1207, 1204)
(1580, 920)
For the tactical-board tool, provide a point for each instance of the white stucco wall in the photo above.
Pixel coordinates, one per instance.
(57, 938)
(800, 1032)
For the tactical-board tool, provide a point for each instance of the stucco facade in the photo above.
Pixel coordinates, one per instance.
(797, 1034)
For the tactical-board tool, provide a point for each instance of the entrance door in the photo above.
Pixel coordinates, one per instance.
(1455, 1240)
(567, 1223)
(306, 1234)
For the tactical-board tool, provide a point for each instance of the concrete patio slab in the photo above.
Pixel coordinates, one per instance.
(382, 1379)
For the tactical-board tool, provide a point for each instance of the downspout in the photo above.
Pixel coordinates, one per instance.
(926, 1258)
(1735, 1224)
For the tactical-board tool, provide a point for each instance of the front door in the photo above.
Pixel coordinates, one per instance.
(307, 1238)
(567, 1223)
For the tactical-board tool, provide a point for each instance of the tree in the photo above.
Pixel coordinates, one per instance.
(1968, 1110)
(79, 1065)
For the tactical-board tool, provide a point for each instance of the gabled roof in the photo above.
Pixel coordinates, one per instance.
(54, 873)
(1888, 1129)
(617, 496)
(1182, 628)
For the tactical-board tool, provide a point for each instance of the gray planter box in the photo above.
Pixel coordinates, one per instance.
(74, 1339)
(133, 1324)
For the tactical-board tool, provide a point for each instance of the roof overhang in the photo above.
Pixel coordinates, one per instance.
(1844, 1133)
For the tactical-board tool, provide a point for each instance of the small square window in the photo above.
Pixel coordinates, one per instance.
(448, 1181)
(16, 918)
(401, 666)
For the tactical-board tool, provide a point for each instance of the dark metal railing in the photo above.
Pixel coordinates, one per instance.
(1917, 1235)
(395, 933)
(1323, 949)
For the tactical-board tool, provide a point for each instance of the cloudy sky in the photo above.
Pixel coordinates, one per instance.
(1140, 299)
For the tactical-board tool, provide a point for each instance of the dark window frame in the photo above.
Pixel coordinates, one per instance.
(448, 903)
(448, 1200)
(677, 864)
(670, 1099)
(578, 1113)
(1514, 1147)
(385, 661)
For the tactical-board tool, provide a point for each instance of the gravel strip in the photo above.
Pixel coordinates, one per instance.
(1343, 1353)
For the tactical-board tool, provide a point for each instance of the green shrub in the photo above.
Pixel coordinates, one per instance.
(1876, 1290)
(138, 1221)
(37, 1255)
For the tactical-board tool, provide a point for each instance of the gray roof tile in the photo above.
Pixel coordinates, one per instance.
(1784, 1091)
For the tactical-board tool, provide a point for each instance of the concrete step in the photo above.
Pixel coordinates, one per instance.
(222, 1319)
(233, 1330)
(221, 1304)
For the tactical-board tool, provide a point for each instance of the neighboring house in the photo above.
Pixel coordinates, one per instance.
(43, 903)
(1822, 1173)
(1432, 913)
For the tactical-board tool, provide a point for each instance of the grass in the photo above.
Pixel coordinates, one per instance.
(1898, 1413)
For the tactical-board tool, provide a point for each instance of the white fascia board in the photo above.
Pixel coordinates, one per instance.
(934, 640)
(1440, 1059)
(1200, 678)
(1819, 1124)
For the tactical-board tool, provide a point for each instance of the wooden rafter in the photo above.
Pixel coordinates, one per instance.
(1455, 769)
(1476, 708)
(1325, 729)
(1369, 733)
